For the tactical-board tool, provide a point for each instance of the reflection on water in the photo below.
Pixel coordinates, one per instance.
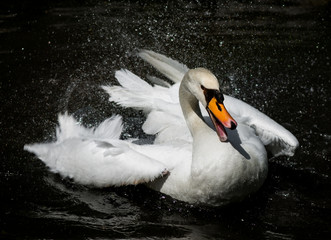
(55, 56)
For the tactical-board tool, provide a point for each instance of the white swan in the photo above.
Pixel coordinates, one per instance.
(195, 158)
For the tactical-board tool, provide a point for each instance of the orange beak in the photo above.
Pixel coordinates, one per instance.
(221, 118)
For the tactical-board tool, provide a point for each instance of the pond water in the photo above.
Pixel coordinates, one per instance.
(275, 55)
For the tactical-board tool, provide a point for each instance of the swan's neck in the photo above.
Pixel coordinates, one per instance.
(191, 110)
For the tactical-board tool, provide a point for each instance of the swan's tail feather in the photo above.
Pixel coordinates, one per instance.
(170, 68)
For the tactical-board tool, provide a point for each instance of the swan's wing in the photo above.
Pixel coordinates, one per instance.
(137, 93)
(164, 115)
(275, 137)
(172, 69)
(98, 163)
(90, 156)
(167, 127)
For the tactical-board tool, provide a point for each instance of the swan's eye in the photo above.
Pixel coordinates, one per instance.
(212, 93)
(219, 96)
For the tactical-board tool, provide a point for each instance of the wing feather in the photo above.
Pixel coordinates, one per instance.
(96, 156)
(275, 137)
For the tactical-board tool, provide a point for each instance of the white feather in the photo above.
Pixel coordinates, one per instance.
(172, 69)
(202, 169)
(95, 156)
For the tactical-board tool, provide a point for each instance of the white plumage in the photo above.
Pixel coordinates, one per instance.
(187, 160)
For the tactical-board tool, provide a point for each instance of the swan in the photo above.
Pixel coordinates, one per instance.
(209, 148)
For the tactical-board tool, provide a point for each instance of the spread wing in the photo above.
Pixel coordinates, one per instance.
(95, 157)
(275, 137)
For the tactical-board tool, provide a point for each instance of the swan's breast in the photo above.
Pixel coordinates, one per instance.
(227, 171)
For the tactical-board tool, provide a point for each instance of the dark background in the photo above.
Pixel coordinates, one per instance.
(275, 55)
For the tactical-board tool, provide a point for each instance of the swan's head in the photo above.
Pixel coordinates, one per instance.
(204, 85)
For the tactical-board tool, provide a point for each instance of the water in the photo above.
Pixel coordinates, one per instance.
(275, 55)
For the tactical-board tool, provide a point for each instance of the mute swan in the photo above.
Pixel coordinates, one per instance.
(201, 154)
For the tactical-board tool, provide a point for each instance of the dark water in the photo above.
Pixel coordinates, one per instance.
(275, 55)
